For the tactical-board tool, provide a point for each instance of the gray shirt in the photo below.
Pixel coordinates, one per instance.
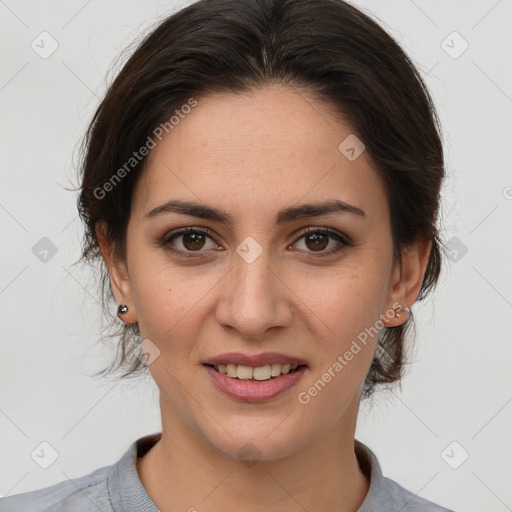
(117, 488)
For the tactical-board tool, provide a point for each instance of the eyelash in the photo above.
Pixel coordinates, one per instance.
(166, 240)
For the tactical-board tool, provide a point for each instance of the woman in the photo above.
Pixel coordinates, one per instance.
(261, 182)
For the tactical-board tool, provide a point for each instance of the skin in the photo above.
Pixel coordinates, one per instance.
(252, 155)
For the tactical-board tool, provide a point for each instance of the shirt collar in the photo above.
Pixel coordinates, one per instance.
(370, 466)
(127, 493)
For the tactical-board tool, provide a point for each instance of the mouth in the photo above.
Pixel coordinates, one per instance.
(256, 373)
(255, 378)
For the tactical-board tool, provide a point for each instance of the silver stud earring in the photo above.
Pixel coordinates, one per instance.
(406, 309)
(122, 309)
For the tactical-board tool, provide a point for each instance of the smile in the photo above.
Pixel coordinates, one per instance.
(267, 372)
(255, 383)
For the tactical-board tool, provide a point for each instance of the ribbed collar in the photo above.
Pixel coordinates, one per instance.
(370, 466)
(127, 493)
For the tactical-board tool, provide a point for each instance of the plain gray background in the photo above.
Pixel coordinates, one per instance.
(456, 398)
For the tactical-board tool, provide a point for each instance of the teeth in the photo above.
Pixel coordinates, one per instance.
(275, 370)
(257, 373)
(231, 370)
(262, 373)
(244, 372)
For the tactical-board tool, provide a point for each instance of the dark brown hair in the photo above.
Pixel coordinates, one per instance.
(328, 48)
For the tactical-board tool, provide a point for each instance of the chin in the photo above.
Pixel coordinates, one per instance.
(250, 440)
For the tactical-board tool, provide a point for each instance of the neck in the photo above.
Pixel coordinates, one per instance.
(184, 472)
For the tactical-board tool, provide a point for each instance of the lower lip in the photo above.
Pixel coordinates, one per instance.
(254, 390)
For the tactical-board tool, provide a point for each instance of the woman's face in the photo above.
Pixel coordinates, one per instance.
(257, 286)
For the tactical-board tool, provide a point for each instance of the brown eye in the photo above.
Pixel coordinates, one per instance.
(316, 241)
(187, 241)
(193, 241)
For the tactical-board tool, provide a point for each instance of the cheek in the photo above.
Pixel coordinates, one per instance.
(346, 301)
(171, 302)
(345, 317)
(162, 308)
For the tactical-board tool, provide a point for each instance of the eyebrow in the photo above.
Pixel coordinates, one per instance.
(290, 214)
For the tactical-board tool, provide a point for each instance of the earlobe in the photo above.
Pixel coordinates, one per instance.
(407, 281)
(118, 274)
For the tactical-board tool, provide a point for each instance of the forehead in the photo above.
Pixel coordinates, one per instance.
(272, 147)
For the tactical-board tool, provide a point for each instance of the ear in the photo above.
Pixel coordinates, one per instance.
(406, 281)
(118, 273)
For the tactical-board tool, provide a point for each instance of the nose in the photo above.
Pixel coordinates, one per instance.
(254, 298)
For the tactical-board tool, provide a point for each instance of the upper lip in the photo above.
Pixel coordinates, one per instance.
(266, 358)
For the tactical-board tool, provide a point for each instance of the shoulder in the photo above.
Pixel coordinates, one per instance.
(394, 493)
(88, 492)
(386, 494)
(107, 489)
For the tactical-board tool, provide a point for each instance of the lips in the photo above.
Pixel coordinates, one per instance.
(254, 378)
(254, 390)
